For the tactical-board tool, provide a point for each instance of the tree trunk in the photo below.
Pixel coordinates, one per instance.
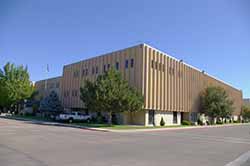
(110, 118)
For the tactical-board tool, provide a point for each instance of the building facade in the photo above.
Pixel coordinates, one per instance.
(171, 88)
(44, 87)
(246, 102)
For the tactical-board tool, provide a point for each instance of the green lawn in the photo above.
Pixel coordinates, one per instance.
(104, 126)
(124, 127)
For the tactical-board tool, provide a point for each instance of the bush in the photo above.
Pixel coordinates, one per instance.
(219, 122)
(200, 122)
(208, 123)
(186, 122)
(162, 123)
(236, 121)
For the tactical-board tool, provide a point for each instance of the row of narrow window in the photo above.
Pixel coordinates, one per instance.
(106, 67)
(161, 67)
(74, 93)
(157, 65)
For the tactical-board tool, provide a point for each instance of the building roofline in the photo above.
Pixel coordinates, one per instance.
(49, 79)
(191, 66)
(103, 54)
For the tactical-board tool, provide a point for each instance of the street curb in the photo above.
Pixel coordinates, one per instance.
(177, 128)
(242, 159)
(120, 131)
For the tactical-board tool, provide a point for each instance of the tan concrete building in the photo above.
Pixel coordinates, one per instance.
(246, 102)
(44, 87)
(171, 87)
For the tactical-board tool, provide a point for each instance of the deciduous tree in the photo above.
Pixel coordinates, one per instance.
(15, 85)
(216, 103)
(111, 94)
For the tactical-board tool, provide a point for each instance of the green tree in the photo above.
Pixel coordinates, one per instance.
(88, 94)
(15, 85)
(216, 103)
(111, 94)
(51, 103)
(246, 112)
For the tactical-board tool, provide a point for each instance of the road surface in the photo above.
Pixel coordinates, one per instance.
(27, 144)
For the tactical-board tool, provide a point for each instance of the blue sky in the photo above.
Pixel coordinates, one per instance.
(213, 35)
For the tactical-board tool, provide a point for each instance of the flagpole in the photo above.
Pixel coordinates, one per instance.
(47, 71)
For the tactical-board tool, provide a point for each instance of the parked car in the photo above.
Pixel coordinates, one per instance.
(74, 116)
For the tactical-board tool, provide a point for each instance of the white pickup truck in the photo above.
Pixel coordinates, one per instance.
(74, 116)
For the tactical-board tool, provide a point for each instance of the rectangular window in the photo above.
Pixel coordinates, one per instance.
(175, 120)
(83, 72)
(160, 66)
(193, 116)
(156, 65)
(76, 73)
(96, 70)
(108, 66)
(74, 93)
(126, 64)
(131, 63)
(86, 72)
(163, 67)
(152, 63)
(104, 68)
(93, 70)
(57, 85)
(117, 65)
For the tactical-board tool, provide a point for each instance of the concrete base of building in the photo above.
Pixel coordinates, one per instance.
(152, 118)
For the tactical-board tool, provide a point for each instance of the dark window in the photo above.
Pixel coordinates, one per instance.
(76, 73)
(126, 64)
(93, 70)
(175, 121)
(156, 65)
(131, 63)
(57, 85)
(152, 63)
(74, 93)
(117, 65)
(163, 67)
(83, 72)
(86, 72)
(171, 70)
(104, 68)
(108, 66)
(96, 70)
(193, 116)
(160, 66)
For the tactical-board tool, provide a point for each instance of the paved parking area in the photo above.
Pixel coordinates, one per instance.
(26, 144)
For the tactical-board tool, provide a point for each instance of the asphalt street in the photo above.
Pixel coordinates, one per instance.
(27, 144)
